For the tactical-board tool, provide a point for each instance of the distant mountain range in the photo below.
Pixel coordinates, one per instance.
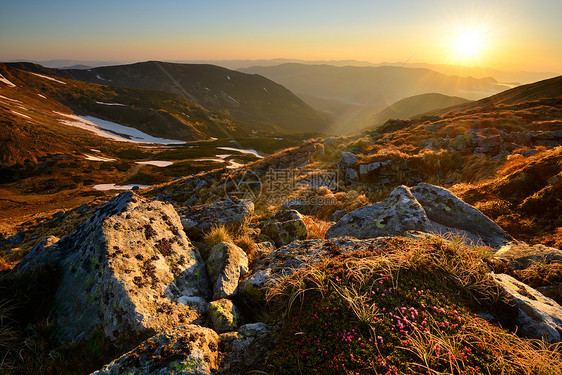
(376, 87)
(252, 100)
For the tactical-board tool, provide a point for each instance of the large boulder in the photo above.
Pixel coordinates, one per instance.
(124, 270)
(521, 255)
(184, 350)
(285, 227)
(399, 213)
(449, 213)
(539, 317)
(235, 214)
(225, 265)
(424, 208)
(246, 349)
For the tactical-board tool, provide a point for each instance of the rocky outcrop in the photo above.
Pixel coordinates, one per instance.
(233, 213)
(226, 264)
(449, 213)
(521, 255)
(539, 317)
(125, 270)
(189, 349)
(246, 349)
(424, 208)
(288, 259)
(285, 227)
(224, 316)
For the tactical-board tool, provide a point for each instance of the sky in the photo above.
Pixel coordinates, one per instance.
(500, 34)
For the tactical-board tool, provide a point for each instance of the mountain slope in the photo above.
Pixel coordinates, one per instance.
(545, 89)
(251, 99)
(373, 86)
(34, 109)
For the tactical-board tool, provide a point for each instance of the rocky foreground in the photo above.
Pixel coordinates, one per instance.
(418, 264)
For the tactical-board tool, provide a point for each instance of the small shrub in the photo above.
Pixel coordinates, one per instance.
(316, 228)
(247, 243)
(217, 234)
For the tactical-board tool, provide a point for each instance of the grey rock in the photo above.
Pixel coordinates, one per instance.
(424, 208)
(184, 350)
(288, 227)
(124, 270)
(231, 212)
(539, 317)
(450, 214)
(397, 214)
(298, 205)
(351, 174)
(347, 159)
(337, 215)
(226, 264)
(246, 349)
(522, 255)
(288, 259)
(286, 215)
(224, 315)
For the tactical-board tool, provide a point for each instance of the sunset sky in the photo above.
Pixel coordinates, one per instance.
(512, 35)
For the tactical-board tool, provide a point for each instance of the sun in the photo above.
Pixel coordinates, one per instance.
(468, 46)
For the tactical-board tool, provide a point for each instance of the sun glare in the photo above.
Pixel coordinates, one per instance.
(468, 46)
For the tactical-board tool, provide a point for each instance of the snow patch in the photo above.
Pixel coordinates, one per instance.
(21, 114)
(99, 77)
(5, 81)
(264, 89)
(156, 163)
(242, 151)
(94, 150)
(49, 78)
(97, 158)
(234, 99)
(228, 77)
(107, 187)
(111, 130)
(234, 165)
(10, 99)
(42, 96)
(119, 104)
(217, 160)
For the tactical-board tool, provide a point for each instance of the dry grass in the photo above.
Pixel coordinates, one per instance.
(248, 244)
(450, 340)
(217, 234)
(316, 228)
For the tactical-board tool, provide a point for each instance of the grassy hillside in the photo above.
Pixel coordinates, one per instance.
(252, 100)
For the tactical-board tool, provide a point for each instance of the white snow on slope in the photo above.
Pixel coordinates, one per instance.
(98, 76)
(42, 96)
(119, 104)
(97, 158)
(49, 78)
(21, 114)
(156, 163)
(107, 187)
(111, 130)
(4, 80)
(10, 99)
(233, 99)
(242, 151)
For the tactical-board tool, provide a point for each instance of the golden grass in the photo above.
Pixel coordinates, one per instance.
(217, 234)
(316, 228)
(248, 244)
